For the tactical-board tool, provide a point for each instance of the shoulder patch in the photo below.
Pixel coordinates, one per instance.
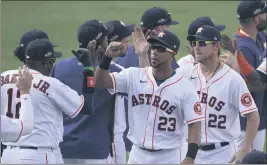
(197, 108)
(246, 99)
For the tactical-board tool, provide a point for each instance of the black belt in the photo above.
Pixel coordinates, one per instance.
(150, 149)
(212, 146)
(24, 147)
(27, 147)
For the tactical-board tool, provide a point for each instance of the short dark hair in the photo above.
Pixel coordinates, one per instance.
(246, 21)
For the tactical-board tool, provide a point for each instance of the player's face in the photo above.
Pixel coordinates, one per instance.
(160, 56)
(204, 50)
(161, 28)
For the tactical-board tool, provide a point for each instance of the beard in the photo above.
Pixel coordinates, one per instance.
(262, 25)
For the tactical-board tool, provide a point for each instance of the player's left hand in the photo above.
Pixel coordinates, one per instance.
(188, 161)
(86, 55)
(238, 156)
(24, 80)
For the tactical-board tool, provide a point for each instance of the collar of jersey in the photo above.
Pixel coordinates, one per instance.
(168, 81)
(32, 71)
(242, 33)
(215, 78)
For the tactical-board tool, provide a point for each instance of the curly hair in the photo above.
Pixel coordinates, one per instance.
(19, 52)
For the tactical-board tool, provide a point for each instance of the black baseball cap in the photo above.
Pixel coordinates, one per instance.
(247, 9)
(91, 30)
(166, 39)
(120, 30)
(255, 157)
(40, 50)
(31, 35)
(200, 21)
(206, 33)
(156, 16)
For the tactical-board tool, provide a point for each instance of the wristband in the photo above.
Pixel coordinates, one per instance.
(105, 62)
(192, 150)
(88, 81)
(89, 68)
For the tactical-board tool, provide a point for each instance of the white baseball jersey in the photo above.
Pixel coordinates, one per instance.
(262, 67)
(223, 97)
(120, 121)
(49, 98)
(13, 129)
(187, 60)
(157, 114)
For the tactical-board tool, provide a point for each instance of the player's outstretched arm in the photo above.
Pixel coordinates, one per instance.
(24, 83)
(253, 121)
(102, 76)
(193, 115)
(194, 138)
(243, 101)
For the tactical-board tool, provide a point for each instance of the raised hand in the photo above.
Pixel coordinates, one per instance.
(87, 56)
(24, 80)
(140, 40)
(115, 49)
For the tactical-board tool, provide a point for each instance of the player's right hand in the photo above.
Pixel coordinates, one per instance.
(115, 49)
(24, 80)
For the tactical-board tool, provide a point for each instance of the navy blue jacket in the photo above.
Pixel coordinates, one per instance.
(254, 54)
(85, 137)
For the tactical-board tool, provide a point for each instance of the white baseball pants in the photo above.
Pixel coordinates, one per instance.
(16, 155)
(171, 156)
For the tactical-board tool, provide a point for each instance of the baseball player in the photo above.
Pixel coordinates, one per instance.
(88, 139)
(153, 19)
(223, 95)
(156, 113)
(189, 60)
(251, 41)
(156, 19)
(49, 98)
(13, 129)
(121, 33)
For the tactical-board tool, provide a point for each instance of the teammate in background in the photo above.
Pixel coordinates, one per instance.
(120, 33)
(251, 41)
(153, 19)
(156, 113)
(88, 140)
(189, 60)
(223, 94)
(13, 129)
(47, 95)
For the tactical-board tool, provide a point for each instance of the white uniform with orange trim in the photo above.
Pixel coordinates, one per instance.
(223, 97)
(187, 60)
(262, 67)
(13, 129)
(50, 98)
(157, 114)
